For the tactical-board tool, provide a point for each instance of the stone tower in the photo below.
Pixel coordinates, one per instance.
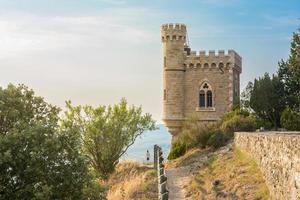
(200, 84)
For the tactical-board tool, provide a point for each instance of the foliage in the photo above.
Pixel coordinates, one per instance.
(20, 108)
(37, 160)
(289, 74)
(195, 133)
(107, 132)
(290, 120)
(245, 97)
(217, 139)
(267, 99)
(178, 149)
(238, 123)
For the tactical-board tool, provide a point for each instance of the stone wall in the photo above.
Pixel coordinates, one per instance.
(278, 156)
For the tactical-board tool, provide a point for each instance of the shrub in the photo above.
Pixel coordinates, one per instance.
(178, 149)
(263, 123)
(290, 120)
(194, 133)
(217, 139)
(238, 123)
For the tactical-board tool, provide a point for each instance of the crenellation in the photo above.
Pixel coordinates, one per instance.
(211, 53)
(193, 54)
(202, 53)
(184, 74)
(221, 53)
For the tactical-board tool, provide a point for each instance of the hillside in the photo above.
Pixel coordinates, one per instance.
(226, 173)
(133, 181)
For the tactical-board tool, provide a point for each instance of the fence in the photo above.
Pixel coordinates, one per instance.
(163, 193)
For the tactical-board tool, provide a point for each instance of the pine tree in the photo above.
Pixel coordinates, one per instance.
(289, 74)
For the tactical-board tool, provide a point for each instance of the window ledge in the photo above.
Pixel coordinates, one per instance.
(204, 109)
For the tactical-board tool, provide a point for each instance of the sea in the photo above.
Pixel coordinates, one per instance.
(161, 137)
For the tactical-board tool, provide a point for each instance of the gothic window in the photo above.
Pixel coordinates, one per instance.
(205, 96)
(165, 61)
(201, 99)
(209, 98)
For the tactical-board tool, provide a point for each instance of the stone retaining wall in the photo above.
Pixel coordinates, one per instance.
(278, 156)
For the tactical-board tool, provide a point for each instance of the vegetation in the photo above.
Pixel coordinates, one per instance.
(289, 74)
(290, 120)
(107, 132)
(268, 97)
(37, 159)
(43, 156)
(197, 134)
(133, 181)
(178, 149)
(211, 181)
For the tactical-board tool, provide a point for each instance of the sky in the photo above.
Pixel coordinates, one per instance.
(98, 51)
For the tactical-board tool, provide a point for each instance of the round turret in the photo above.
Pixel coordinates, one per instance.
(173, 38)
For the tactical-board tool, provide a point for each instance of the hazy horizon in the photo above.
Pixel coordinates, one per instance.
(98, 51)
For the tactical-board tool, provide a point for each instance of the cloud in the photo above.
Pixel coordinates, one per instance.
(24, 32)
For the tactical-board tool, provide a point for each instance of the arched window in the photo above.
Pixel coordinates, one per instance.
(209, 99)
(201, 99)
(206, 96)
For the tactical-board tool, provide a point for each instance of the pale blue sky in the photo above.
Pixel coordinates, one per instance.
(97, 51)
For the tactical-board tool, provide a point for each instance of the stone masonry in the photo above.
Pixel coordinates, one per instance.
(189, 74)
(278, 157)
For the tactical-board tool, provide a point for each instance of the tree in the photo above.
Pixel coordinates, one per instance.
(245, 97)
(290, 120)
(107, 132)
(37, 159)
(19, 109)
(289, 74)
(267, 99)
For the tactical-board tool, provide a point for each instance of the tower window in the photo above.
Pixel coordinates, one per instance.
(165, 61)
(165, 94)
(209, 98)
(202, 99)
(205, 96)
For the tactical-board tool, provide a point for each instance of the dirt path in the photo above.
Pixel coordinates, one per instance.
(180, 177)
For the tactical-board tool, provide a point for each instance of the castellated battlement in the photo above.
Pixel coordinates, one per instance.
(213, 59)
(173, 32)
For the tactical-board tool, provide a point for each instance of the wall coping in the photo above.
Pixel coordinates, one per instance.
(273, 133)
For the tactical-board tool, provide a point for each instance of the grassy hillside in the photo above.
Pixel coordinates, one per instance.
(233, 175)
(133, 181)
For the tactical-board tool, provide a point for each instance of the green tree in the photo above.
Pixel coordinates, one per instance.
(267, 99)
(245, 97)
(19, 109)
(290, 120)
(289, 74)
(37, 160)
(107, 132)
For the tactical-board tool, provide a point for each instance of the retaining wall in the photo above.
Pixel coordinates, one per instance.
(278, 156)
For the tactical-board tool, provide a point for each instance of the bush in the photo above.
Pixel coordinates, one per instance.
(217, 139)
(263, 123)
(178, 149)
(194, 133)
(290, 120)
(238, 123)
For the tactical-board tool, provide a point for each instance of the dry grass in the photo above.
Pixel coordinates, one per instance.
(190, 157)
(133, 181)
(236, 176)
